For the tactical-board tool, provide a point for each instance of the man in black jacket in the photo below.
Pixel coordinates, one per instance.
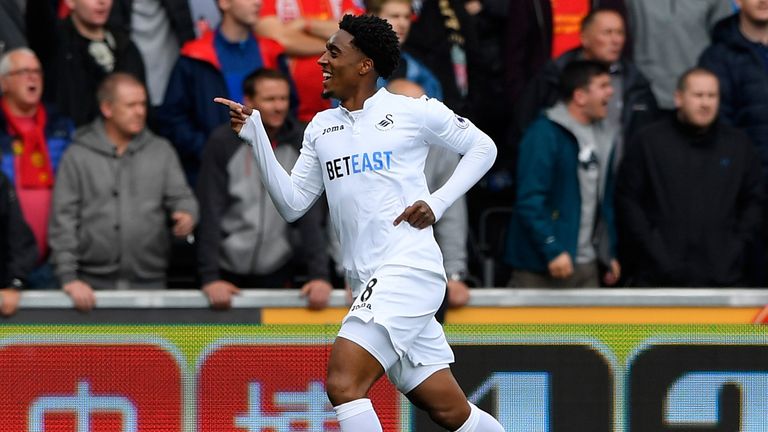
(242, 241)
(18, 251)
(688, 195)
(739, 57)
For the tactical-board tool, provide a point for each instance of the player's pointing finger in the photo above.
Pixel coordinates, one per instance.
(405, 215)
(225, 101)
(233, 106)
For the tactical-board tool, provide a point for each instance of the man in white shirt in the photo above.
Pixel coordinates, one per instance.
(368, 154)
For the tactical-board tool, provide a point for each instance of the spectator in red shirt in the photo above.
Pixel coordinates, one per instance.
(33, 136)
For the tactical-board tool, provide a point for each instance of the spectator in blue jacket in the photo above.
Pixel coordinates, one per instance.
(213, 65)
(562, 227)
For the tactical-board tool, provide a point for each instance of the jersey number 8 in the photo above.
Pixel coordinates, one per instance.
(368, 290)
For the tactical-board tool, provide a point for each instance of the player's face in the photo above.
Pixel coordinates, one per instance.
(596, 97)
(341, 65)
(93, 13)
(272, 101)
(23, 84)
(698, 102)
(128, 109)
(398, 13)
(604, 39)
(755, 10)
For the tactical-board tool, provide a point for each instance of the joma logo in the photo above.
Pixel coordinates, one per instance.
(333, 129)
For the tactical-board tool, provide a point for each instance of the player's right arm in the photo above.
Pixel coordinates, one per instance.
(293, 194)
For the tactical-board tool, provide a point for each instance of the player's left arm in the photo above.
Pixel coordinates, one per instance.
(444, 128)
(293, 194)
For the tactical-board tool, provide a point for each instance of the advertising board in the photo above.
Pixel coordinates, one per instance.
(270, 378)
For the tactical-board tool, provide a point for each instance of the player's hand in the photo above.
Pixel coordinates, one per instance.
(419, 215)
(613, 275)
(220, 293)
(238, 113)
(81, 294)
(561, 267)
(10, 301)
(318, 293)
(458, 294)
(183, 223)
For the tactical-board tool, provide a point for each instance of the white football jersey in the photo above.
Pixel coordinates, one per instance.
(371, 164)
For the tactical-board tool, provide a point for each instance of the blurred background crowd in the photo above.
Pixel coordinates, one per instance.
(632, 137)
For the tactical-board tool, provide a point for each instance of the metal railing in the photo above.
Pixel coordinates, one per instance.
(481, 297)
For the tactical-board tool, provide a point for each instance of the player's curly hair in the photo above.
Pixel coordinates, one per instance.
(376, 39)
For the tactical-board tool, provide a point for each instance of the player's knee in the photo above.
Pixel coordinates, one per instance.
(342, 388)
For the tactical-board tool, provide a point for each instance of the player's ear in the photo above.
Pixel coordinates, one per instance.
(366, 66)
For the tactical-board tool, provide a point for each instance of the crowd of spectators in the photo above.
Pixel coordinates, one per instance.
(632, 136)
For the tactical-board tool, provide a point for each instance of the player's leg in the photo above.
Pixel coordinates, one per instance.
(426, 379)
(352, 371)
(357, 361)
(442, 398)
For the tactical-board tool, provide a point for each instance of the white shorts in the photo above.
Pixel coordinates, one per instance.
(393, 319)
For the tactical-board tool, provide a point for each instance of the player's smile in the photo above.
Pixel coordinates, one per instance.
(324, 63)
(327, 83)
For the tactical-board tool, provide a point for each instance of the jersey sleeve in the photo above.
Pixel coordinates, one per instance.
(293, 194)
(442, 127)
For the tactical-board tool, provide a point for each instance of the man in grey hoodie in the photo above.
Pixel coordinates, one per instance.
(562, 227)
(120, 193)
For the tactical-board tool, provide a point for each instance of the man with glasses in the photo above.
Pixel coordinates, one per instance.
(33, 137)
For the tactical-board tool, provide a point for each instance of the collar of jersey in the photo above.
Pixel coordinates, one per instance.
(369, 103)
